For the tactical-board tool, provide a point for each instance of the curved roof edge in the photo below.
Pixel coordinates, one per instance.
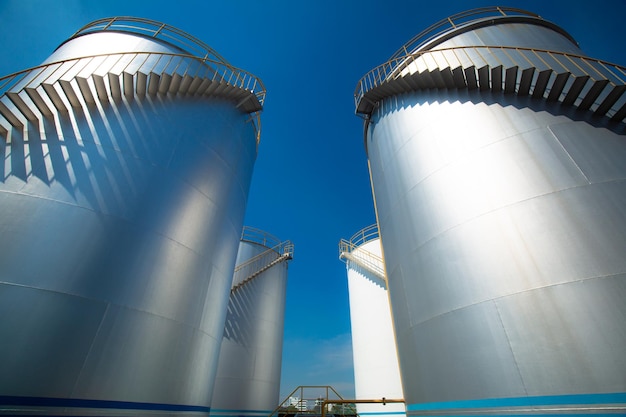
(458, 20)
(476, 24)
(151, 29)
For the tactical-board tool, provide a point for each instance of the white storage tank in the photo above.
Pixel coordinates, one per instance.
(376, 371)
(248, 376)
(126, 162)
(497, 151)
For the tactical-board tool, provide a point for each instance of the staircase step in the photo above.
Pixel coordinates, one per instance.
(38, 101)
(483, 78)
(620, 114)
(592, 94)
(526, 81)
(85, 90)
(557, 86)
(8, 114)
(575, 89)
(448, 78)
(101, 89)
(496, 79)
(141, 80)
(425, 78)
(413, 82)
(542, 83)
(470, 77)
(21, 106)
(459, 77)
(193, 87)
(54, 97)
(114, 86)
(609, 100)
(510, 79)
(184, 84)
(164, 83)
(175, 83)
(153, 83)
(128, 84)
(204, 85)
(67, 88)
(403, 84)
(437, 78)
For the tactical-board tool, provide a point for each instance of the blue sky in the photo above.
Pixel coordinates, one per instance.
(310, 182)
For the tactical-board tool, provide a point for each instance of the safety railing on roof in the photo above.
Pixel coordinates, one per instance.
(130, 73)
(276, 252)
(453, 22)
(153, 29)
(251, 234)
(219, 71)
(477, 57)
(363, 236)
(352, 250)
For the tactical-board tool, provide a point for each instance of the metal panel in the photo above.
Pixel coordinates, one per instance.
(117, 246)
(248, 376)
(376, 370)
(504, 234)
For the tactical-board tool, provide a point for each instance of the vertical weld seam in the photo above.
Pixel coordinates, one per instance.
(508, 339)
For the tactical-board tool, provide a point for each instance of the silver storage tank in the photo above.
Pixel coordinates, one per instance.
(125, 165)
(374, 353)
(497, 153)
(248, 375)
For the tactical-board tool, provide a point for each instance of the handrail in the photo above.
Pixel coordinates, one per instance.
(351, 250)
(392, 69)
(153, 29)
(234, 76)
(365, 235)
(453, 22)
(254, 235)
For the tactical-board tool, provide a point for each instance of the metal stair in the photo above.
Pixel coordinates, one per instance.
(584, 83)
(40, 92)
(353, 251)
(260, 263)
(365, 259)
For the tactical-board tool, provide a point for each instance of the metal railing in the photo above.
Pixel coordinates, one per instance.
(352, 250)
(479, 56)
(254, 235)
(453, 22)
(363, 236)
(308, 394)
(145, 62)
(220, 72)
(153, 29)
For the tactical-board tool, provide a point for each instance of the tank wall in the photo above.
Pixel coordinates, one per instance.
(504, 235)
(248, 376)
(117, 245)
(376, 371)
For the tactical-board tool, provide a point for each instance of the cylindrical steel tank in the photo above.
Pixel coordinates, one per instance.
(497, 164)
(376, 371)
(126, 163)
(248, 376)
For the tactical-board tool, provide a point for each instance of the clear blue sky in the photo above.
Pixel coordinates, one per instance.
(310, 182)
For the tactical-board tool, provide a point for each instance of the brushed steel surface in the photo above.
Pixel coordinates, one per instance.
(248, 376)
(503, 222)
(118, 240)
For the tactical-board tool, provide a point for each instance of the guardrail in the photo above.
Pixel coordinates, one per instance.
(221, 72)
(351, 250)
(153, 29)
(453, 22)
